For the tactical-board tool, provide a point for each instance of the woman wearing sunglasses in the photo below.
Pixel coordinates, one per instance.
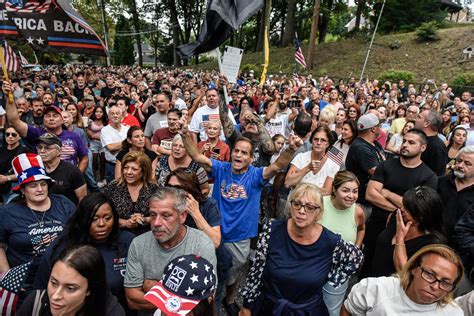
(10, 149)
(295, 258)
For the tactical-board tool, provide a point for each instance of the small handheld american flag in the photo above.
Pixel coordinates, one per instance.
(336, 155)
(10, 286)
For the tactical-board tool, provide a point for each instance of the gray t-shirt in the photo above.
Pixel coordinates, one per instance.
(155, 121)
(147, 259)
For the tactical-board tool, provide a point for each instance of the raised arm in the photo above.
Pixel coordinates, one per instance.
(265, 139)
(192, 148)
(12, 112)
(227, 125)
(284, 159)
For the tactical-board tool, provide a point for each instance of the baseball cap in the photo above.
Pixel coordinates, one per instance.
(367, 121)
(48, 139)
(88, 97)
(52, 108)
(186, 281)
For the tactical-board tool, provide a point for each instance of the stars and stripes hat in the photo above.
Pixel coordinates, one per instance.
(186, 281)
(28, 168)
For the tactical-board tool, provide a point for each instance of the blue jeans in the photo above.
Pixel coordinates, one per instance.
(89, 175)
(109, 171)
(333, 298)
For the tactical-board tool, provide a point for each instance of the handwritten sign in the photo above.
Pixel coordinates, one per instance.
(231, 62)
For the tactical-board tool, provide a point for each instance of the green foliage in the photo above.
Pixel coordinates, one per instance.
(257, 70)
(123, 45)
(393, 75)
(428, 31)
(407, 15)
(464, 79)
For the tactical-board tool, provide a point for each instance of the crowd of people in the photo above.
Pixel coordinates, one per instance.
(132, 191)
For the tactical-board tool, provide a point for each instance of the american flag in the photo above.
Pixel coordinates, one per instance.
(23, 60)
(209, 117)
(10, 286)
(299, 57)
(28, 7)
(336, 155)
(11, 60)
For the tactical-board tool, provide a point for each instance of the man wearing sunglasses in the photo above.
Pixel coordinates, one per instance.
(424, 286)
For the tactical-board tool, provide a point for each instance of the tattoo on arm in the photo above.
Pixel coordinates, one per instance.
(266, 140)
(227, 125)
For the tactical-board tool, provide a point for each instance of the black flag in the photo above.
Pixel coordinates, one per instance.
(49, 25)
(222, 18)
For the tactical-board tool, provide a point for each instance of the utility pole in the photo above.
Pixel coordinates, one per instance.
(314, 32)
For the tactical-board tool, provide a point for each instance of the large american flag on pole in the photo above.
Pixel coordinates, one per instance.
(11, 59)
(10, 285)
(299, 57)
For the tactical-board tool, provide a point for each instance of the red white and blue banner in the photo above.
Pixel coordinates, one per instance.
(49, 25)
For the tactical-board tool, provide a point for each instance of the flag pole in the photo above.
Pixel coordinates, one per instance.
(371, 42)
(266, 49)
(5, 73)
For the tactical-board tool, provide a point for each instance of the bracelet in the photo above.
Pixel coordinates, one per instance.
(401, 245)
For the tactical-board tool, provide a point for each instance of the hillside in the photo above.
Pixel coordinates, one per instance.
(438, 60)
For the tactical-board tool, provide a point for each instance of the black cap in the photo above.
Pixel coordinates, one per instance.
(48, 139)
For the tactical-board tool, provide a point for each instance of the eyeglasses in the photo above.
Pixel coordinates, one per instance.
(419, 192)
(431, 278)
(309, 208)
(320, 140)
(11, 134)
(411, 112)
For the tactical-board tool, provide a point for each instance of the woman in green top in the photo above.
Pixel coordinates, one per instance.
(342, 216)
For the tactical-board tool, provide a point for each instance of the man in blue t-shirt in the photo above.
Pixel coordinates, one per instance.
(237, 189)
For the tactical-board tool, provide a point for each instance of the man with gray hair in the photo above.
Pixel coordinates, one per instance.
(168, 238)
(436, 155)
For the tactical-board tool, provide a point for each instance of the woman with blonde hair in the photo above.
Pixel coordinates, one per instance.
(424, 286)
(295, 258)
(130, 193)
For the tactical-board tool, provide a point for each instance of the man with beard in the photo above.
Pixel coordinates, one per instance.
(72, 150)
(48, 99)
(457, 189)
(237, 189)
(34, 116)
(279, 116)
(253, 128)
(391, 180)
(169, 238)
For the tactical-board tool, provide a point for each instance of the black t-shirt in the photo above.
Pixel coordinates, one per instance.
(399, 179)
(382, 263)
(78, 93)
(455, 203)
(106, 92)
(6, 157)
(361, 157)
(67, 178)
(436, 155)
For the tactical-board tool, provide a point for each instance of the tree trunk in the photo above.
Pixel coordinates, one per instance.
(323, 25)
(282, 29)
(261, 29)
(314, 31)
(136, 26)
(360, 9)
(290, 25)
(175, 30)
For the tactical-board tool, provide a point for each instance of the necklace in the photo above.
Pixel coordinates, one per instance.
(40, 223)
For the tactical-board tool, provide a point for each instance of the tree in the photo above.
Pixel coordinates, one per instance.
(314, 30)
(132, 5)
(361, 9)
(290, 24)
(406, 15)
(123, 46)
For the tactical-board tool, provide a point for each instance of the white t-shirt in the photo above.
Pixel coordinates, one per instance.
(329, 169)
(180, 104)
(202, 116)
(109, 135)
(155, 121)
(2, 111)
(278, 125)
(384, 296)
